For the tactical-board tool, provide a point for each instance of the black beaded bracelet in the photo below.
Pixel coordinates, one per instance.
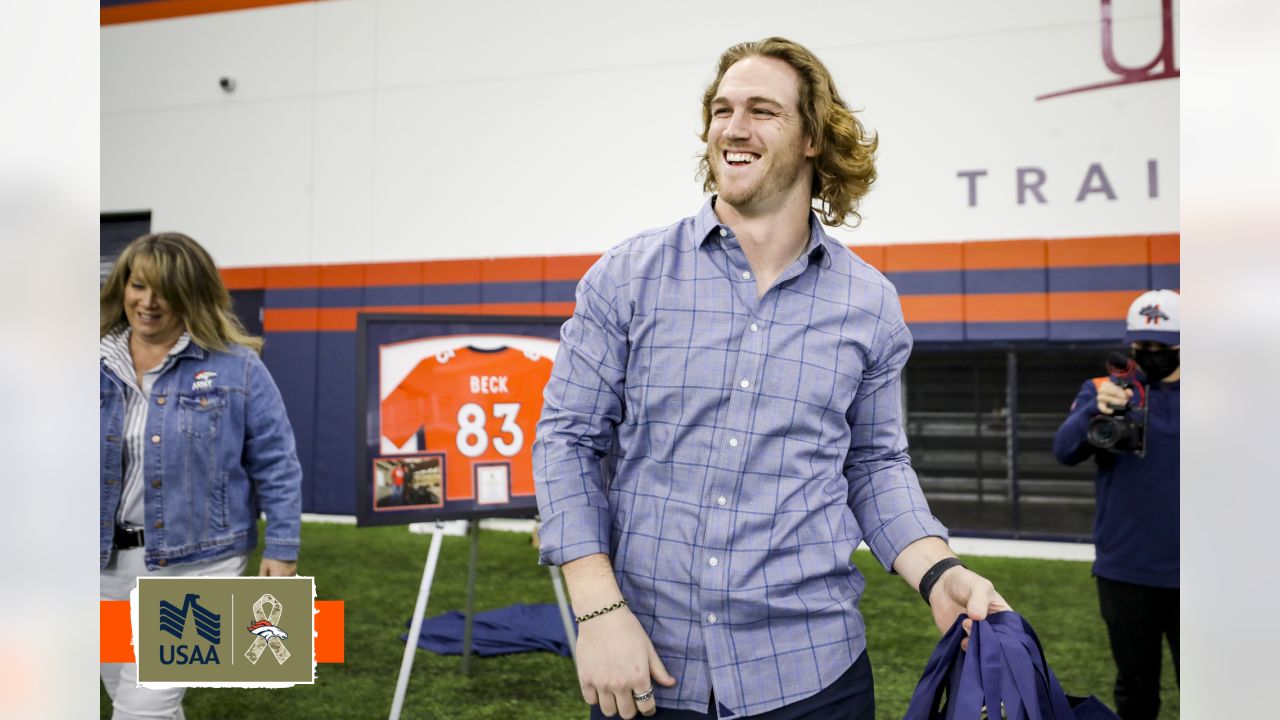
(931, 577)
(603, 610)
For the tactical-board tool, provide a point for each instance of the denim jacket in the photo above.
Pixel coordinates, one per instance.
(219, 449)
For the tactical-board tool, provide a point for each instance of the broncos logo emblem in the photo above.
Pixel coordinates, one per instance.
(1153, 314)
(265, 630)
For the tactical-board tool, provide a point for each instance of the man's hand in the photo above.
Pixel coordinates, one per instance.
(961, 590)
(615, 660)
(1111, 396)
(957, 590)
(277, 568)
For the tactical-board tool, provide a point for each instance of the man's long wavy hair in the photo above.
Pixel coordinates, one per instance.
(182, 273)
(844, 163)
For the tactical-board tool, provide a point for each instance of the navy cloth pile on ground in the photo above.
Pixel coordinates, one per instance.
(513, 629)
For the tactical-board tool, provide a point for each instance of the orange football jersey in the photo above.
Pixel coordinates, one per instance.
(475, 406)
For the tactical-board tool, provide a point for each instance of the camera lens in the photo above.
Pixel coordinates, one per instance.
(1106, 432)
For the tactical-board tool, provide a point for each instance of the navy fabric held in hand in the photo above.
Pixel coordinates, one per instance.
(1004, 670)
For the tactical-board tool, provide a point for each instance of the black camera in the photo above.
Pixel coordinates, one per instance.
(1125, 430)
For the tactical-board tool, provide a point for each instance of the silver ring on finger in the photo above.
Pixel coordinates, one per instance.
(644, 696)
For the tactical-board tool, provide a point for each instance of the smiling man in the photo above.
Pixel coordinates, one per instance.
(723, 428)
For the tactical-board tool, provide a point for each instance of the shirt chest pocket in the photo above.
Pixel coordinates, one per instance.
(201, 415)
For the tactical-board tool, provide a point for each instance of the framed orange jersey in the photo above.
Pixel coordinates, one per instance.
(451, 398)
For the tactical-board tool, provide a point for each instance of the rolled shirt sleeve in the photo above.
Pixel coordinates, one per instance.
(884, 492)
(582, 404)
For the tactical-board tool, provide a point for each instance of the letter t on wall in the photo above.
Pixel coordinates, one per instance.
(972, 176)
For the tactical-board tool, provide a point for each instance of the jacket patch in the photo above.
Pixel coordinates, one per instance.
(204, 380)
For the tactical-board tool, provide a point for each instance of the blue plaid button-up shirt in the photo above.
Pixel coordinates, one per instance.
(729, 453)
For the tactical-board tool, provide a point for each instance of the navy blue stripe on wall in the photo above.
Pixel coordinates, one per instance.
(1086, 330)
(937, 331)
(1092, 279)
(1166, 277)
(1034, 330)
(1032, 280)
(928, 282)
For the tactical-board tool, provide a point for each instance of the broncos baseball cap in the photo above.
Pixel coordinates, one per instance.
(1156, 317)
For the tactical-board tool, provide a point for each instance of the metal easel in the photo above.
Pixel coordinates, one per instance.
(420, 609)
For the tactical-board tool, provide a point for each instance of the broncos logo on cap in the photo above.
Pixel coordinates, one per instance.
(1153, 314)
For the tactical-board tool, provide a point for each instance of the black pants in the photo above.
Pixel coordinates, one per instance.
(1138, 618)
(851, 697)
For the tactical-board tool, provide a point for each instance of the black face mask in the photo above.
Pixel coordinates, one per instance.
(1157, 364)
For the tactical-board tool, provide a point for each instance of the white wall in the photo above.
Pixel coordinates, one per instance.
(378, 130)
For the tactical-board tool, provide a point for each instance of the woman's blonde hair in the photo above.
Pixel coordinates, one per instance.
(183, 274)
(844, 166)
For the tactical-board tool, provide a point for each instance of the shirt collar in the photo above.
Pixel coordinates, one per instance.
(117, 342)
(706, 224)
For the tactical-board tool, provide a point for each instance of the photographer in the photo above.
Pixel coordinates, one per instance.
(1128, 422)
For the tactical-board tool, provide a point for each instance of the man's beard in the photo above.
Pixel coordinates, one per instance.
(770, 183)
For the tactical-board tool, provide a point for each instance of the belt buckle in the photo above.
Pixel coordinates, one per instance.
(128, 536)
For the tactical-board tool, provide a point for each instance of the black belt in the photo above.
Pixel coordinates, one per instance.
(127, 538)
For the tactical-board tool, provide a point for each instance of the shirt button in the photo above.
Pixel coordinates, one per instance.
(159, 524)
(746, 275)
(721, 501)
(155, 483)
(713, 562)
(755, 327)
(160, 400)
(733, 442)
(162, 562)
(204, 402)
(745, 384)
(723, 232)
(155, 439)
(711, 617)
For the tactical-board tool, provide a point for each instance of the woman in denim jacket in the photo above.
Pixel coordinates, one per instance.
(194, 439)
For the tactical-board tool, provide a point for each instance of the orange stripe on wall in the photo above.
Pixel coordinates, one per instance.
(1099, 251)
(873, 255)
(161, 9)
(933, 308)
(344, 319)
(243, 278)
(926, 256)
(568, 267)
(1112, 305)
(974, 255)
(115, 636)
(446, 272)
(293, 276)
(342, 275)
(521, 269)
(1006, 307)
(1005, 255)
(1165, 250)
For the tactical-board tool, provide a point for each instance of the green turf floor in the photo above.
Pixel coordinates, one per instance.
(376, 572)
